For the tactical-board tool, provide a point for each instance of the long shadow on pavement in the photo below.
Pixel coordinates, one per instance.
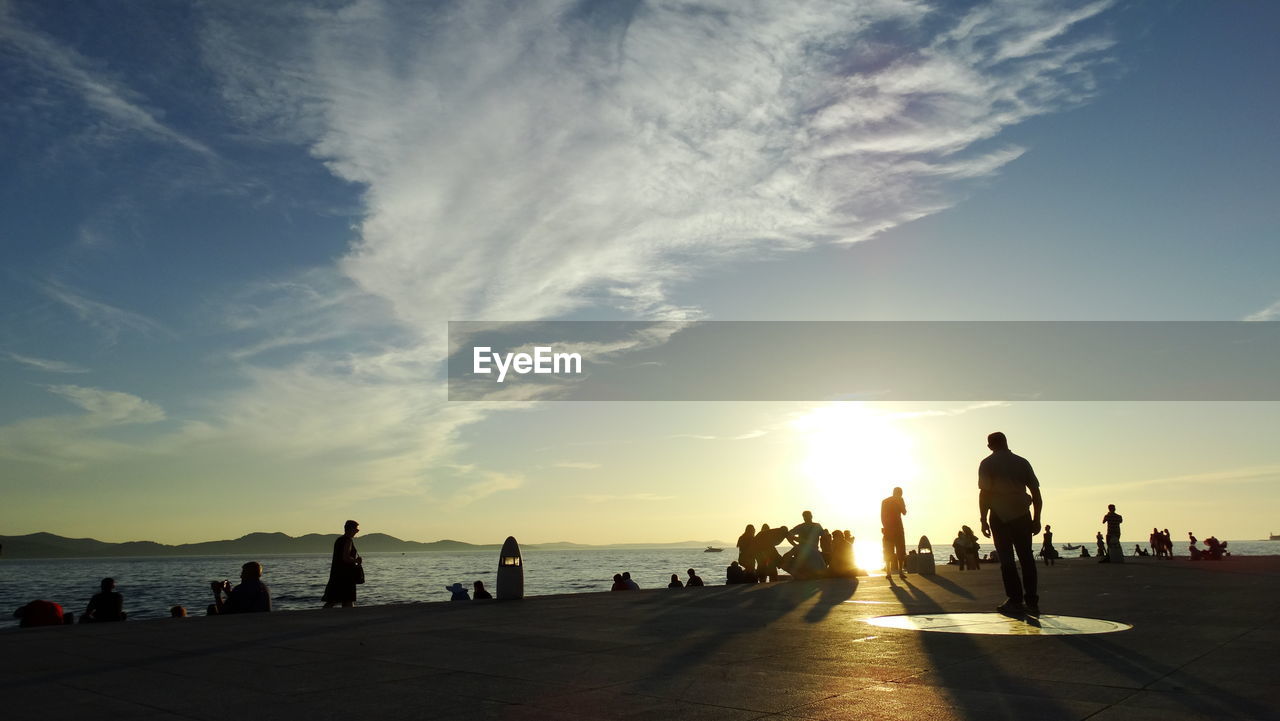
(953, 657)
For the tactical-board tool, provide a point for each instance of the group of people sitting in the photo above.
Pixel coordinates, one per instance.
(459, 592)
(1214, 550)
(251, 595)
(106, 606)
(624, 582)
(815, 552)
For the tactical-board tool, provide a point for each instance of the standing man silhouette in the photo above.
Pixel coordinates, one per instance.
(1115, 554)
(1004, 480)
(892, 509)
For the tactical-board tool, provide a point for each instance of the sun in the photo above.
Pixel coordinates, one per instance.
(853, 457)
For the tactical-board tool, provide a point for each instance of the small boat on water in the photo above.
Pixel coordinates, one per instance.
(1069, 547)
(712, 549)
(1275, 537)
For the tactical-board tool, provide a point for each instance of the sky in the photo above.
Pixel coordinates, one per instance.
(233, 234)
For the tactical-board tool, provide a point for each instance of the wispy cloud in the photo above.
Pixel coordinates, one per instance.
(72, 441)
(525, 161)
(579, 465)
(624, 497)
(946, 412)
(63, 65)
(45, 364)
(1271, 312)
(108, 319)
(745, 436)
(1227, 476)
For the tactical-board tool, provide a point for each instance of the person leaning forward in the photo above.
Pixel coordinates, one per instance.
(1004, 482)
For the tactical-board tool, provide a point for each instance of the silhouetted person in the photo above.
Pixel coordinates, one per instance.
(479, 594)
(1102, 546)
(892, 509)
(459, 592)
(1047, 550)
(694, 579)
(766, 548)
(675, 582)
(733, 574)
(806, 558)
(1004, 481)
(42, 613)
(250, 596)
(178, 612)
(631, 584)
(106, 605)
(618, 583)
(966, 548)
(1113, 521)
(746, 547)
(345, 570)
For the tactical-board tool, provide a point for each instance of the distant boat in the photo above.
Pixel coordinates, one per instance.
(712, 549)
(1069, 547)
(1275, 537)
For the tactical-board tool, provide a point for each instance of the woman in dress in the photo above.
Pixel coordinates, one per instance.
(345, 571)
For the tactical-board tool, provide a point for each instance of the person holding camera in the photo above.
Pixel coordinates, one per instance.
(251, 596)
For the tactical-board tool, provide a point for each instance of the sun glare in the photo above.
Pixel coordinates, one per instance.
(853, 458)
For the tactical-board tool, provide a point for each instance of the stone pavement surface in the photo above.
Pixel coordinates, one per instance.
(1202, 646)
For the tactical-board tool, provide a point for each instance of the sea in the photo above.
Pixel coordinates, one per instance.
(151, 585)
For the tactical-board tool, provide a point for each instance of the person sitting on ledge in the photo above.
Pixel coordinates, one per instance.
(251, 596)
(733, 574)
(479, 594)
(675, 582)
(632, 585)
(459, 592)
(618, 583)
(694, 579)
(178, 612)
(106, 605)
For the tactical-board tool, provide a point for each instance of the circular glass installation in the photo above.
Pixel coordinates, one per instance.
(997, 624)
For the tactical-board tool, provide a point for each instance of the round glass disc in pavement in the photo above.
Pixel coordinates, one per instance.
(998, 624)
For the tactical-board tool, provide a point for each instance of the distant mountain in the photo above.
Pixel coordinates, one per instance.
(48, 545)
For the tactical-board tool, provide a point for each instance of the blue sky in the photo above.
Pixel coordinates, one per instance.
(233, 234)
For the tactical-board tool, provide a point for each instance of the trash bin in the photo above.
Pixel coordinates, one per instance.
(925, 565)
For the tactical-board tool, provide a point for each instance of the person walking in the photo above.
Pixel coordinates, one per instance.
(892, 509)
(1006, 486)
(346, 571)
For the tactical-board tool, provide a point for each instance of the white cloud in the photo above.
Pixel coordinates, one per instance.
(523, 161)
(45, 56)
(108, 319)
(579, 465)
(1271, 312)
(47, 365)
(624, 497)
(73, 441)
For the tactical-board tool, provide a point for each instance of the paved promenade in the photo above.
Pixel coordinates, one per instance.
(1203, 646)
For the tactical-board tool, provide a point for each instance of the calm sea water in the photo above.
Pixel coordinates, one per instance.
(152, 585)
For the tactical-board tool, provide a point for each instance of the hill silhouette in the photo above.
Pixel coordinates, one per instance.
(49, 545)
